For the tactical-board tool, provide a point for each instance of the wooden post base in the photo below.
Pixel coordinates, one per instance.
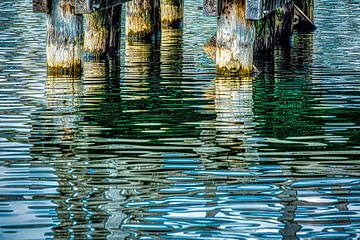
(239, 39)
(142, 19)
(64, 39)
(307, 7)
(102, 35)
(172, 12)
(235, 40)
(284, 23)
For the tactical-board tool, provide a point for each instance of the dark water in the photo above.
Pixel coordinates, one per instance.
(155, 146)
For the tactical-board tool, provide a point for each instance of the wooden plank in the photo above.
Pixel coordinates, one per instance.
(41, 6)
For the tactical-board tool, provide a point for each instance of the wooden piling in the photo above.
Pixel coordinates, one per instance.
(265, 34)
(172, 12)
(301, 21)
(235, 39)
(142, 19)
(307, 7)
(284, 23)
(102, 34)
(64, 38)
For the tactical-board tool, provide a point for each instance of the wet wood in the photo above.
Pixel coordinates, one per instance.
(265, 35)
(102, 35)
(83, 6)
(239, 39)
(301, 21)
(307, 7)
(284, 23)
(64, 39)
(172, 12)
(235, 39)
(41, 6)
(142, 19)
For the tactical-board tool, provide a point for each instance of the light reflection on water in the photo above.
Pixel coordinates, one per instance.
(155, 145)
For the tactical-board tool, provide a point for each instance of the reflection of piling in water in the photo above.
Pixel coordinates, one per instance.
(62, 95)
(102, 34)
(142, 19)
(228, 139)
(172, 12)
(137, 59)
(64, 39)
(171, 54)
(116, 217)
(234, 111)
(289, 200)
(60, 138)
(141, 69)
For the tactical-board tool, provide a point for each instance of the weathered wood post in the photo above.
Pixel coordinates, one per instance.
(304, 15)
(142, 19)
(284, 23)
(102, 33)
(64, 38)
(172, 12)
(247, 28)
(235, 39)
(307, 7)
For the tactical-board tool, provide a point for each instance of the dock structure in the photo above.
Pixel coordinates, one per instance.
(245, 28)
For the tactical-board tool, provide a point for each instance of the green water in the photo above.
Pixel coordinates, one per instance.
(154, 145)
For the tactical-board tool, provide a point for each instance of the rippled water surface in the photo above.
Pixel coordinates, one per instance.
(155, 146)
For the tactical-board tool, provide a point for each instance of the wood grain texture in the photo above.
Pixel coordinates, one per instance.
(307, 7)
(41, 6)
(83, 6)
(172, 12)
(284, 23)
(235, 40)
(142, 19)
(64, 38)
(102, 35)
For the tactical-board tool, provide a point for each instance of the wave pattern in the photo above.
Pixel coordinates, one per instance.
(154, 145)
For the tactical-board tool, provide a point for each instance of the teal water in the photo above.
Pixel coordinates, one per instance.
(155, 146)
